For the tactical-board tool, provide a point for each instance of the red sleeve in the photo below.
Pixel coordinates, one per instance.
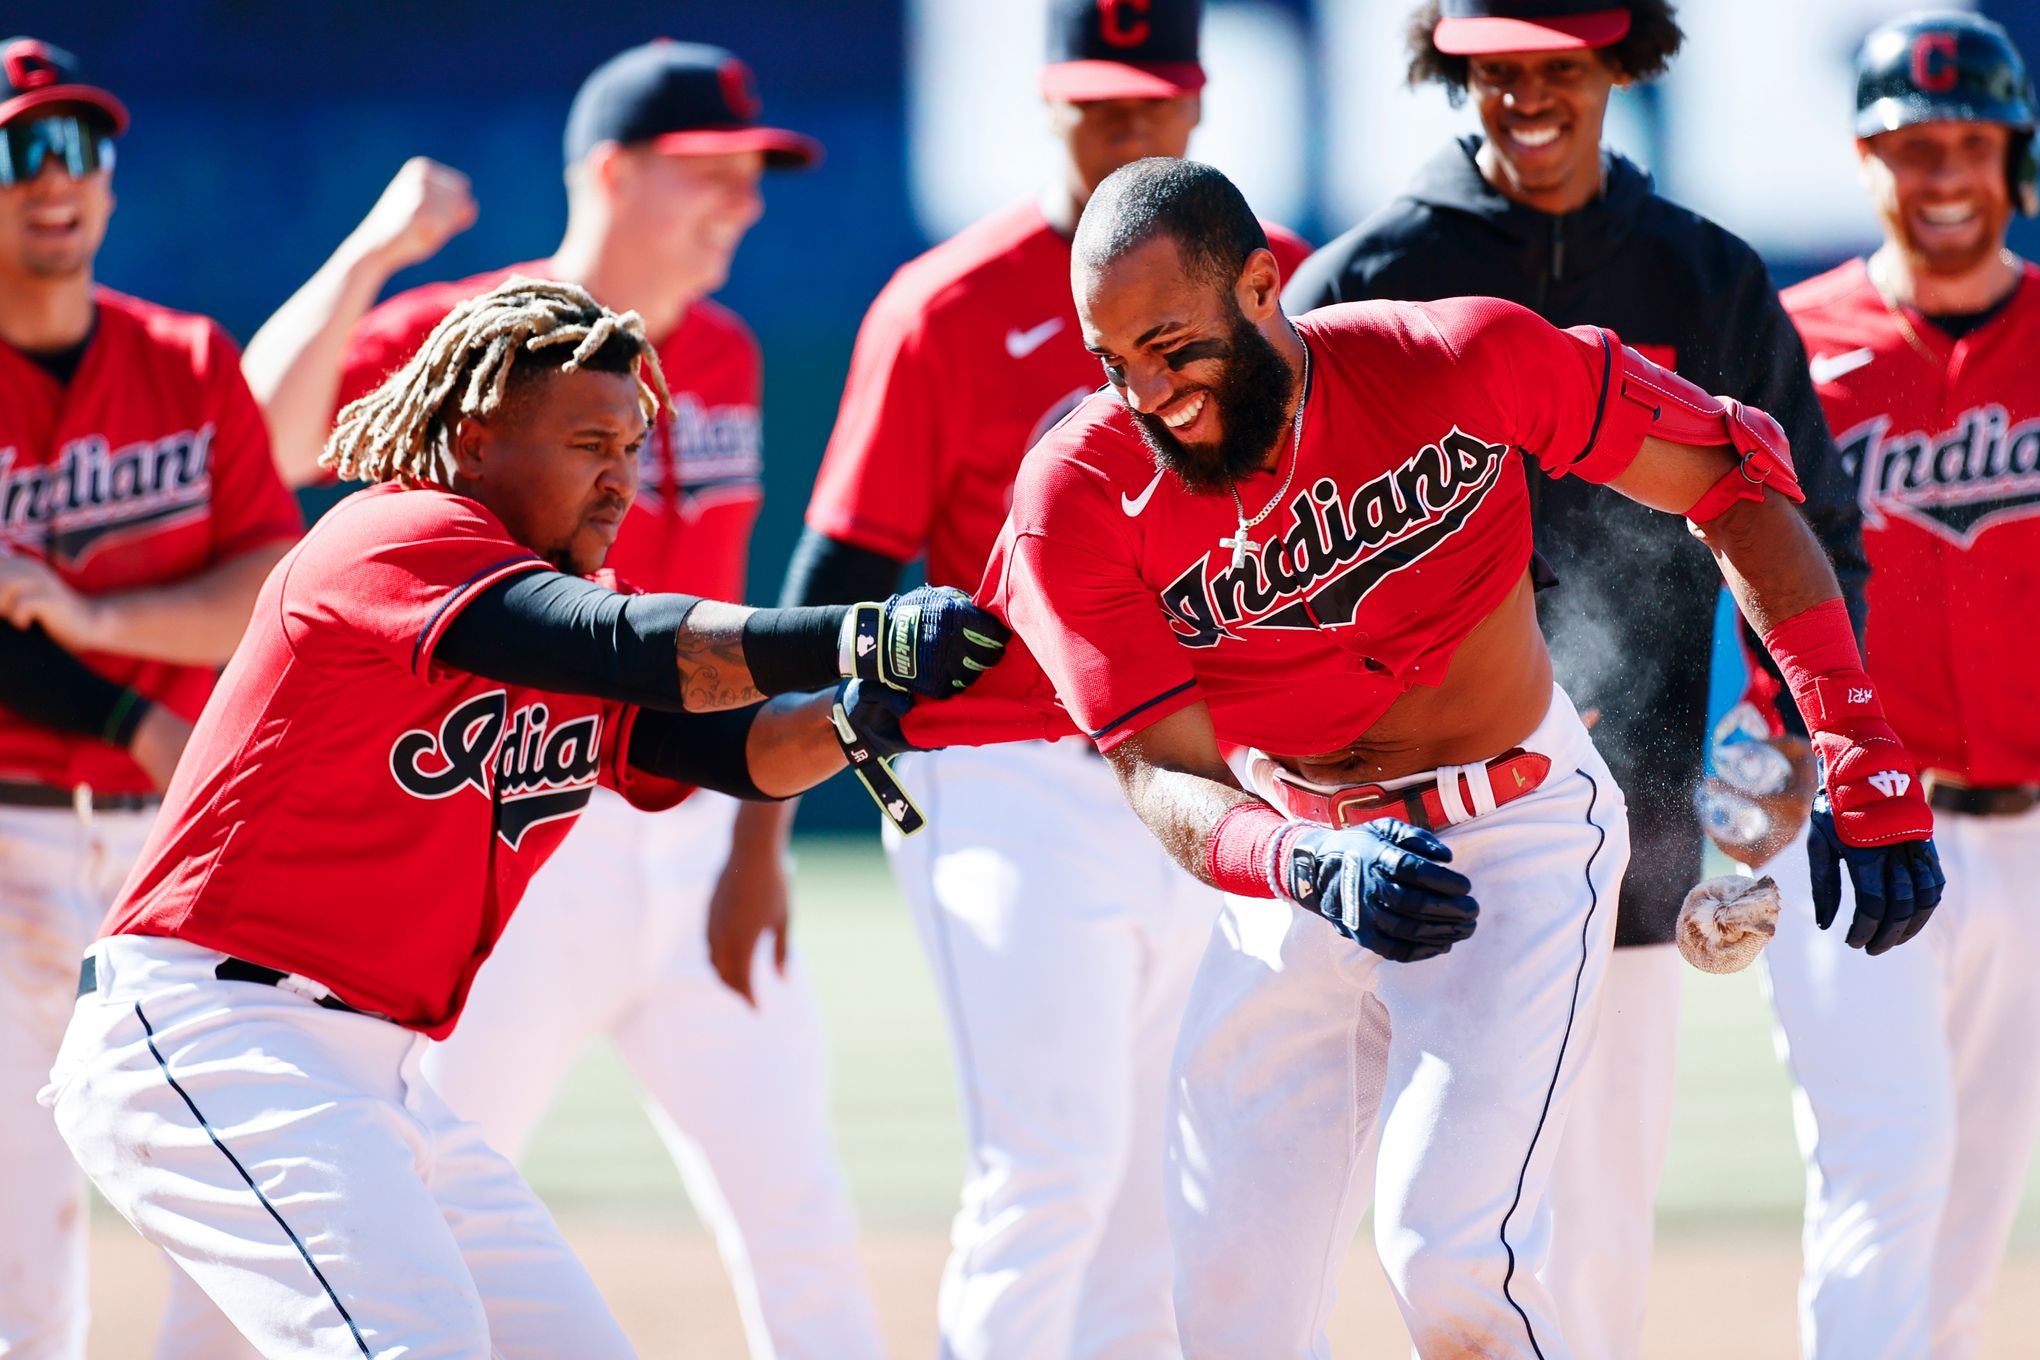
(387, 571)
(250, 504)
(877, 486)
(382, 341)
(1549, 388)
(1289, 249)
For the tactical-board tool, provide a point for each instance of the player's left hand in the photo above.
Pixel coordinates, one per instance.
(32, 593)
(933, 641)
(750, 899)
(1897, 885)
(873, 714)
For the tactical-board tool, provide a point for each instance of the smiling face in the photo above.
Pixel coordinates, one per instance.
(1100, 135)
(1192, 358)
(51, 225)
(1941, 192)
(1542, 112)
(557, 462)
(687, 214)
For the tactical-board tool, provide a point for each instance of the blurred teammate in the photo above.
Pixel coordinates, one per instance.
(1535, 210)
(664, 159)
(1924, 355)
(138, 515)
(1062, 940)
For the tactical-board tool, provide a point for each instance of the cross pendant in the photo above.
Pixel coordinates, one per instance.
(1241, 546)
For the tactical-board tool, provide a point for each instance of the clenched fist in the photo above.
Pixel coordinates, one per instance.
(423, 207)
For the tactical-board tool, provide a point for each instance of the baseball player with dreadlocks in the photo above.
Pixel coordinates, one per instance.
(1924, 356)
(665, 158)
(429, 694)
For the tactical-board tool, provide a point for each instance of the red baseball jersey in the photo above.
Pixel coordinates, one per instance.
(1945, 438)
(350, 810)
(969, 355)
(1406, 523)
(150, 466)
(699, 474)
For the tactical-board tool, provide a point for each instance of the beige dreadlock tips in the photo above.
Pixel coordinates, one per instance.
(405, 427)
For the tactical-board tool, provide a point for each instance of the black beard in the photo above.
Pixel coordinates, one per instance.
(1250, 396)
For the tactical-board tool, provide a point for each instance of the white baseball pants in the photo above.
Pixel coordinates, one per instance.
(59, 872)
(1313, 1075)
(1917, 1096)
(1063, 940)
(292, 1160)
(1605, 1183)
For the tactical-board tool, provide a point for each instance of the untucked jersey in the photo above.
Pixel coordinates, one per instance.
(348, 808)
(1405, 525)
(151, 465)
(699, 472)
(1943, 437)
(969, 355)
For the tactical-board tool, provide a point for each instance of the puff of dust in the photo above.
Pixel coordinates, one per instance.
(1725, 922)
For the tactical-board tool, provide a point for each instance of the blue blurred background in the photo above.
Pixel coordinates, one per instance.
(262, 133)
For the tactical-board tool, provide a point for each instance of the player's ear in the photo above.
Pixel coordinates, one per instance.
(1259, 290)
(471, 441)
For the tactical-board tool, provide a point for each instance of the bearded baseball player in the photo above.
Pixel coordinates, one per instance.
(1534, 209)
(1923, 355)
(664, 157)
(1421, 875)
(1060, 1246)
(431, 684)
(138, 515)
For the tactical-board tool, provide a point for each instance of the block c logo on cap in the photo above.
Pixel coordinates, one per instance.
(1933, 62)
(737, 89)
(29, 65)
(1117, 29)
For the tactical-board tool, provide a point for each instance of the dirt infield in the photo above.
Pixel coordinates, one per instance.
(1710, 1298)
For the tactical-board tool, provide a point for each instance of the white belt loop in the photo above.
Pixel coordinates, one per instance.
(1448, 792)
(81, 802)
(1480, 779)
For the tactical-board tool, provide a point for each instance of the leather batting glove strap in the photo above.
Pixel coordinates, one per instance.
(933, 641)
(867, 722)
(1383, 884)
(1897, 886)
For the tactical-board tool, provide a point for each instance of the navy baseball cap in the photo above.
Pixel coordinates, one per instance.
(34, 74)
(686, 99)
(1468, 28)
(1122, 49)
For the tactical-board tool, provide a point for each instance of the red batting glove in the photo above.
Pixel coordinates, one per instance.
(1872, 783)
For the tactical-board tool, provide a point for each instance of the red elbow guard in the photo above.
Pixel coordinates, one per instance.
(1650, 400)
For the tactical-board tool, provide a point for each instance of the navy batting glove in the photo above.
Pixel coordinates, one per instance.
(1897, 885)
(1383, 884)
(873, 714)
(933, 641)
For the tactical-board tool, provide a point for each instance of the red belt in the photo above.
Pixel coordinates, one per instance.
(1507, 777)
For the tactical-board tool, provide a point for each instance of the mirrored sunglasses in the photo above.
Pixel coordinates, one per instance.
(80, 144)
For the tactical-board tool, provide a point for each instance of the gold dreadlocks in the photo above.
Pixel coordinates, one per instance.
(405, 427)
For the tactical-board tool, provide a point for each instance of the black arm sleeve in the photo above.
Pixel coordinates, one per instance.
(707, 750)
(45, 684)
(825, 570)
(548, 630)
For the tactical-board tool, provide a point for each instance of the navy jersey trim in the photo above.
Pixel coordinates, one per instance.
(1558, 1065)
(150, 1032)
(1139, 709)
(1601, 405)
(418, 647)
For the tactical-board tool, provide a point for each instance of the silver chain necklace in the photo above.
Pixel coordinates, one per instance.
(1240, 544)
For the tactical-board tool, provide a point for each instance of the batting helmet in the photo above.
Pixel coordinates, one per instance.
(1950, 66)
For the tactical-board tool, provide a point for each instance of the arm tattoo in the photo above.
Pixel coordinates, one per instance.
(709, 649)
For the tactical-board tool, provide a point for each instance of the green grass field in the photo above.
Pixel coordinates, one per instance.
(1732, 1166)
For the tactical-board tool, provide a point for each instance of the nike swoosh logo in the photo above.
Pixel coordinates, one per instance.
(1826, 368)
(1020, 344)
(1133, 505)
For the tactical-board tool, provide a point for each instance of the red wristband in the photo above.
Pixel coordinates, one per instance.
(1238, 854)
(1817, 653)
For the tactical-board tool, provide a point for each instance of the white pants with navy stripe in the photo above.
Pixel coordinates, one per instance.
(59, 872)
(293, 1162)
(1063, 940)
(1313, 1076)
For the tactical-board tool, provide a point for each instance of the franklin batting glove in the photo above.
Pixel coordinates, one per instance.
(933, 641)
(1897, 885)
(1383, 884)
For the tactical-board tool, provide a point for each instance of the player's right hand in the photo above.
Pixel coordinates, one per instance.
(424, 206)
(933, 641)
(1897, 885)
(1384, 884)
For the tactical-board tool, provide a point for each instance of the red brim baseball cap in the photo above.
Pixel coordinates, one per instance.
(783, 150)
(1082, 82)
(85, 95)
(1473, 36)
